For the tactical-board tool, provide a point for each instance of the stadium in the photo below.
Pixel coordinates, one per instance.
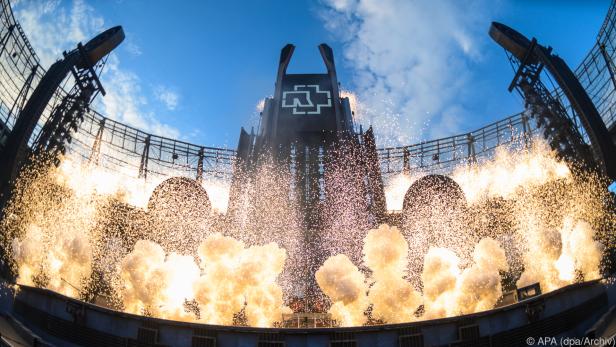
(303, 189)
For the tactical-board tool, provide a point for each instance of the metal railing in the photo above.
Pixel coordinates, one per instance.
(116, 145)
(597, 74)
(442, 155)
(122, 148)
(19, 68)
(101, 140)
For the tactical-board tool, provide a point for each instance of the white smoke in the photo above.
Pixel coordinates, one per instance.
(556, 259)
(65, 259)
(218, 193)
(449, 291)
(393, 298)
(395, 190)
(345, 285)
(232, 277)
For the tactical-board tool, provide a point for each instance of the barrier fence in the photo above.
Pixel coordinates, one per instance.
(120, 147)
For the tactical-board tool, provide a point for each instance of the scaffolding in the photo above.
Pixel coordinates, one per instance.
(120, 147)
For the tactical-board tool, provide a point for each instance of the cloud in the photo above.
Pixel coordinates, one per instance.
(168, 97)
(53, 27)
(410, 61)
(126, 102)
(132, 48)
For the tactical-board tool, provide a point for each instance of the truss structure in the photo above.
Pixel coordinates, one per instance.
(120, 147)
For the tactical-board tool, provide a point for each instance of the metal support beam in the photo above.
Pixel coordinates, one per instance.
(471, 148)
(5, 39)
(406, 163)
(200, 165)
(22, 97)
(143, 167)
(96, 147)
(608, 64)
(526, 131)
(531, 58)
(16, 149)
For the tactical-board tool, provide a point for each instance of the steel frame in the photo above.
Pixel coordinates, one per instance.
(119, 147)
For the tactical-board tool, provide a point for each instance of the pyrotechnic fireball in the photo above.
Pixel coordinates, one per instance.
(308, 223)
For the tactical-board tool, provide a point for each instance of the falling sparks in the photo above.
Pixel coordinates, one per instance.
(525, 217)
(509, 171)
(396, 189)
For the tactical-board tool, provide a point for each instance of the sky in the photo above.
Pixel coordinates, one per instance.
(196, 70)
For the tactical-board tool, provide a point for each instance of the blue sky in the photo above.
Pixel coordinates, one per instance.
(420, 69)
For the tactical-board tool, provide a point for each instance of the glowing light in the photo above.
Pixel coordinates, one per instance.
(525, 213)
(395, 189)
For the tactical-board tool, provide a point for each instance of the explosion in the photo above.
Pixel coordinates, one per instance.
(233, 274)
(509, 171)
(393, 298)
(65, 259)
(578, 255)
(450, 292)
(345, 285)
(525, 217)
(447, 290)
(231, 278)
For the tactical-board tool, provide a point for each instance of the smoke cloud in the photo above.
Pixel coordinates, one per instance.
(231, 278)
(448, 291)
(63, 261)
(345, 285)
(393, 298)
(570, 252)
(527, 217)
(155, 283)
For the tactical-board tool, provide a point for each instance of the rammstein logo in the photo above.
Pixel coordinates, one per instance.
(301, 99)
